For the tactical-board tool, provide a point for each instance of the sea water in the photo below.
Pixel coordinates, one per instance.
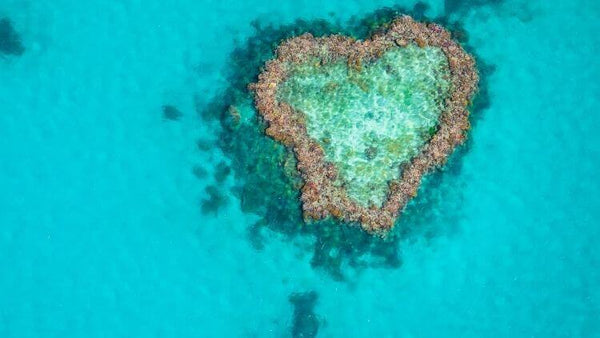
(102, 232)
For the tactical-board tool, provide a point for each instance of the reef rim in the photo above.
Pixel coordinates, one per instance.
(320, 197)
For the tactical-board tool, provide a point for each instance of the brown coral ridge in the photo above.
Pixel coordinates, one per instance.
(320, 196)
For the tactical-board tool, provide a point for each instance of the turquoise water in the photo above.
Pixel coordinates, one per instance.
(103, 230)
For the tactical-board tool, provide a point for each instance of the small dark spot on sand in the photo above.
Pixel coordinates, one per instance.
(255, 236)
(419, 10)
(10, 42)
(215, 201)
(204, 145)
(199, 172)
(222, 171)
(171, 112)
(463, 6)
(305, 323)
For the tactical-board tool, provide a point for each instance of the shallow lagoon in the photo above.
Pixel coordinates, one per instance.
(109, 227)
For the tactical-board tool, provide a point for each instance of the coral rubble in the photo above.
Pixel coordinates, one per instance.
(330, 187)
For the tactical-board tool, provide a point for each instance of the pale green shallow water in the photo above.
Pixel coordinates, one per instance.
(371, 121)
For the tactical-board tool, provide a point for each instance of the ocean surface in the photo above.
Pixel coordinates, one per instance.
(105, 228)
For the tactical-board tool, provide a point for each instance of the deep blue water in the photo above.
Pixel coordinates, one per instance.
(102, 233)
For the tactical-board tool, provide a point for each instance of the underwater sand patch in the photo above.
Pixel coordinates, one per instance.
(325, 190)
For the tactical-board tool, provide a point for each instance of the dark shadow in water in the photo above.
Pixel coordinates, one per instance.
(266, 180)
(222, 172)
(10, 42)
(204, 145)
(305, 323)
(461, 7)
(171, 113)
(200, 172)
(215, 201)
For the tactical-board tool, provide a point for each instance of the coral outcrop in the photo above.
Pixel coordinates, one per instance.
(330, 188)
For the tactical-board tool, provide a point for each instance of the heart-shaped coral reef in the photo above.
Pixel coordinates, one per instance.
(367, 119)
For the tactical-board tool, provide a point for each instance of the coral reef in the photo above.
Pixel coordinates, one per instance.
(322, 194)
(267, 183)
(10, 42)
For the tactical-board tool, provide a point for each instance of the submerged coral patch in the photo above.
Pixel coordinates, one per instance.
(367, 119)
(10, 42)
(171, 112)
(215, 201)
(305, 323)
